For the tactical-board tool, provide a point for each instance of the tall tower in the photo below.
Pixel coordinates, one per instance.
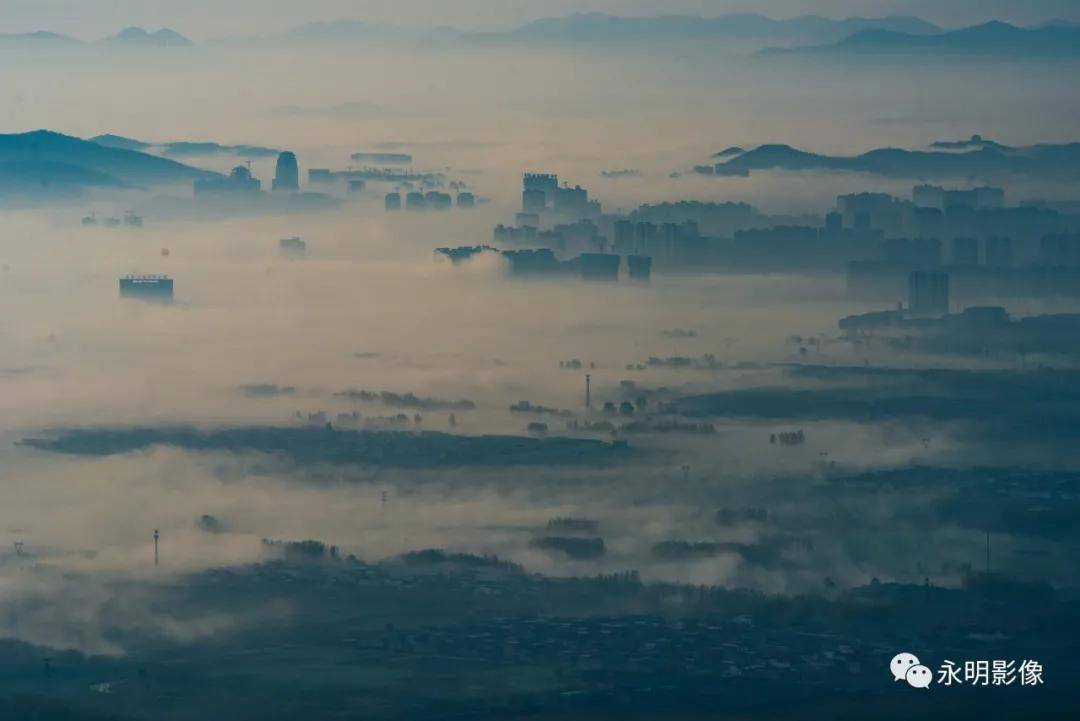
(928, 293)
(155, 547)
(588, 391)
(287, 173)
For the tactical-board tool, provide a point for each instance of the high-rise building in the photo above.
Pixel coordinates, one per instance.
(928, 196)
(239, 181)
(287, 173)
(624, 236)
(927, 222)
(436, 200)
(571, 200)
(645, 235)
(639, 267)
(987, 197)
(1061, 250)
(879, 211)
(599, 266)
(999, 252)
(533, 200)
(547, 182)
(965, 251)
(527, 219)
(834, 223)
(538, 191)
(928, 293)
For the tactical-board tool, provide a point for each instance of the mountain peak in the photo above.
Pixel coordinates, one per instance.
(135, 35)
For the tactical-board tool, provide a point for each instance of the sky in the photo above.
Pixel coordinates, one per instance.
(202, 19)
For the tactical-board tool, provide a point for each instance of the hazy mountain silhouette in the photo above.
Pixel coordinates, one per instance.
(1048, 161)
(42, 157)
(595, 27)
(50, 177)
(39, 37)
(137, 36)
(183, 147)
(119, 141)
(601, 27)
(132, 36)
(989, 39)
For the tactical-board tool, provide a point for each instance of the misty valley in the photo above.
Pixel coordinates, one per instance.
(643, 366)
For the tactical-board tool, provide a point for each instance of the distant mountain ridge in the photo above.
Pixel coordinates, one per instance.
(602, 27)
(183, 147)
(41, 37)
(42, 158)
(809, 34)
(987, 159)
(989, 39)
(138, 36)
(131, 36)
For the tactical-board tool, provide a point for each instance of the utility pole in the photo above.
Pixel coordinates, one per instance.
(155, 547)
(588, 390)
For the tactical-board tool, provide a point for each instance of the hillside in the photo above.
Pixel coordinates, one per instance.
(986, 40)
(184, 147)
(598, 27)
(1047, 161)
(136, 36)
(44, 157)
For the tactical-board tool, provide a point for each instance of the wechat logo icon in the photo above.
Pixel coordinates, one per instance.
(906, 667)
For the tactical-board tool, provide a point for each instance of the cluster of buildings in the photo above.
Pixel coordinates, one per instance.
(416, 200)
(543, 262)
(577, 240)
(240, 181)
(542, 195)
(985, 247)
(977, 330)
(926, 324)
(587, 266)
